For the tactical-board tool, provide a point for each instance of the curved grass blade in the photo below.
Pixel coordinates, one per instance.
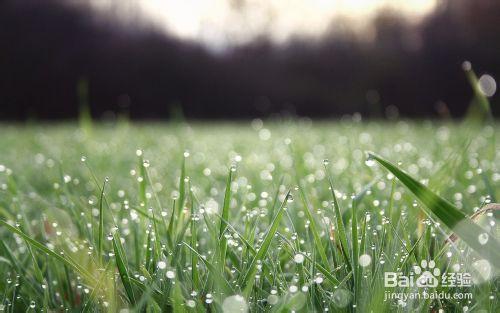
(121, 263)
(447, 213)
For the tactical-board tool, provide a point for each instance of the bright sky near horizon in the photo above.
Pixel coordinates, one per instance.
(220, 23)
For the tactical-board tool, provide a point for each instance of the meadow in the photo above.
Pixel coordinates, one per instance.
(256, 216)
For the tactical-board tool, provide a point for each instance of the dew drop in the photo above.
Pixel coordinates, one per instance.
(170, 275)
(487, 85)
(483, 238)
(466, 66)
(191, 303)
(365, 260)
(298, 258)
(370, 161)
(162, 265)
(234, 304)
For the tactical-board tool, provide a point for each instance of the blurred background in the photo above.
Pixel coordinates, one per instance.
(201, 59)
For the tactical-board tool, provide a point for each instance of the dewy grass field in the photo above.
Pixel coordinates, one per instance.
(242, 218)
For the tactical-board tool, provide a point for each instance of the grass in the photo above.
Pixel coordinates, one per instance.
(265, 216)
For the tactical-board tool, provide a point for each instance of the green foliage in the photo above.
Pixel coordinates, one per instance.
(289, 230)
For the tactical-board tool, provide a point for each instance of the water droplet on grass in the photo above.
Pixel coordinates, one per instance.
(298, 258)
(162, 265)
(370, 161)
(487, 85)
(483, 238)
(365, 260)
(209, 298)
(466, 66)
(170, 275)
(234, 304)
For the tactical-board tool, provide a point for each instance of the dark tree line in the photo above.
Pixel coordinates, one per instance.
(47, 47)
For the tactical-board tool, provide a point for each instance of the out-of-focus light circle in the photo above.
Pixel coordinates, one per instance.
(487, 85)
(466, 66)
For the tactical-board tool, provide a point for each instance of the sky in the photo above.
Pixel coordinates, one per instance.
(222, 23)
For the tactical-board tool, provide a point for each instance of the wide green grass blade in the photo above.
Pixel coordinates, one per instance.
(121, 264)
(447, 213)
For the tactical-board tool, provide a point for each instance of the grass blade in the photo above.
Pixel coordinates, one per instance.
(340, 225)
(314, 230)
(100, 235)
(121, 263)
(248, 279)
(223, 221)
(447, 213)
